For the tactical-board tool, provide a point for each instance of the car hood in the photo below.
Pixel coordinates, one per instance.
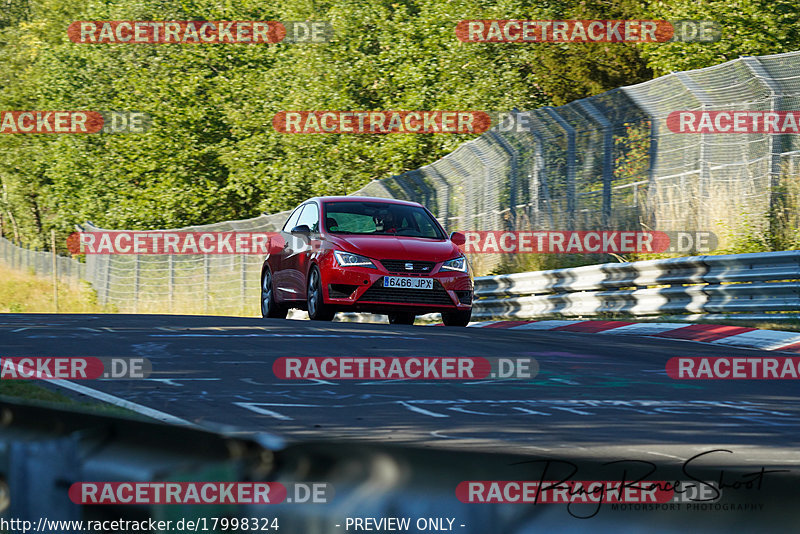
(386, 247)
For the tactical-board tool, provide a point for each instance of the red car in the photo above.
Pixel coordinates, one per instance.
(367, 254)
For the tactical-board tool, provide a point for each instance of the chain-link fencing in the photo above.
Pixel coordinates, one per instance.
(40, 263)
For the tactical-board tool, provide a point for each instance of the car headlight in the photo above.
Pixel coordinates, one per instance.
(348, 259)
(456, 264)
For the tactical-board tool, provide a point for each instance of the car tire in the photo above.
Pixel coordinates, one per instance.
(458, 318)
(402, 318)
(269, 308)
(315, 302)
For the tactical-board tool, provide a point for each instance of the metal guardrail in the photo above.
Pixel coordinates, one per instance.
(761, 282)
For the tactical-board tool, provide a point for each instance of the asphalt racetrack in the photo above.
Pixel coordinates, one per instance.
(595, 395)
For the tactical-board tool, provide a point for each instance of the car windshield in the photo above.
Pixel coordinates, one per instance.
(380, 218)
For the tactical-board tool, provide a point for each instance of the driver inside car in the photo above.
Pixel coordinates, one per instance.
(386, 224)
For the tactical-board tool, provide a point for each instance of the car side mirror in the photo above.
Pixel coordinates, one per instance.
(458, 239)
(301, 229)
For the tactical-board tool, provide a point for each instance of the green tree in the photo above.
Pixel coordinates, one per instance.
(749, 28)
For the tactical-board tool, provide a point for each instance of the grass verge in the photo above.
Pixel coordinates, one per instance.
(34, 394)
(24, 292)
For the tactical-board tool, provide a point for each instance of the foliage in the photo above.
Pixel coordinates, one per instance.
(749, 28)
(211, 153)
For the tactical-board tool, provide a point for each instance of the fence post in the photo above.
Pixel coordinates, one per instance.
(705, 171)
(570, 132)
(490, 204)
(55, 266)
(206, 269)
(539, 187)
(136, 283)
(513, 163)
(608, 162)
(442, 198)
(244, 284)
(775, 142)
(651, 199)
(171, 283)
(107, 285)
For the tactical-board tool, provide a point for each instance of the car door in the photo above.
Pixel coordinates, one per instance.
(298, 262)
(281, 274)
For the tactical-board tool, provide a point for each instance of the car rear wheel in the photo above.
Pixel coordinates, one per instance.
(317, 309)
(402, 318)
(458, 318)
(270, 308)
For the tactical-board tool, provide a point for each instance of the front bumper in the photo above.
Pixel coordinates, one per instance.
(361, 289)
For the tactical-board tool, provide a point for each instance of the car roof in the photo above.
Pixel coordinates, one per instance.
(364, 199)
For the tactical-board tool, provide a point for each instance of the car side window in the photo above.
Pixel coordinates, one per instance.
(310, 217)
(292, 221)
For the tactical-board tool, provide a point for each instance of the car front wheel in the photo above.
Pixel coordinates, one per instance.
(458, 318)
(317, 309)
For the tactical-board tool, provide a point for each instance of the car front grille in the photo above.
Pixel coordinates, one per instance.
(399, 266)
(378, 293)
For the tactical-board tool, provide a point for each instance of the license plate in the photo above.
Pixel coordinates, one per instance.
(407, 282)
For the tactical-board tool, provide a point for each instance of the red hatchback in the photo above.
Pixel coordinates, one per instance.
(367, 254)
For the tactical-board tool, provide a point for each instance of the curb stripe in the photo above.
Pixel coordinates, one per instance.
(766, 339)
(794, 347)
(505, 324)
(543, 325)
(592, 326)
(644, 329)
(735, 336)
(705, 332)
